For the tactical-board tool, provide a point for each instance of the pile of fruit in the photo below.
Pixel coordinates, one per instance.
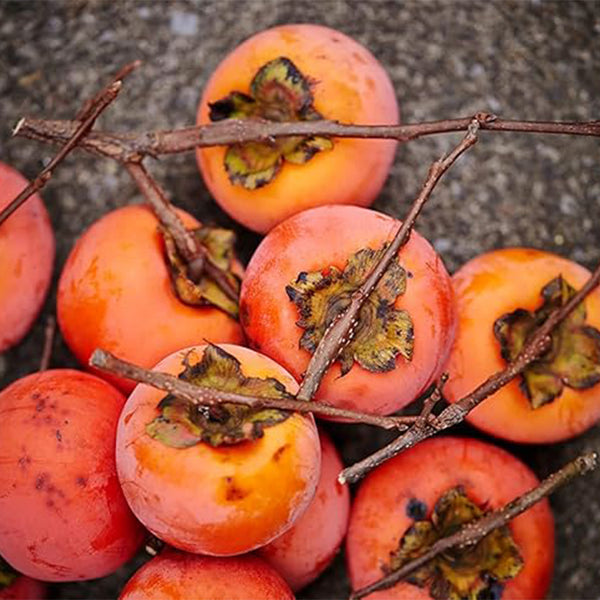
(243, 500)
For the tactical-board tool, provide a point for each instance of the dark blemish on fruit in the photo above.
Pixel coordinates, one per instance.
(66, 421)
(279, 452)
(232, 492)
(127, 418)
(58, 435)
(41, 404)
(335, 40)
(50, 503)
(409, 274)
(41, 480)
(416, 509)
(24, 462)
(81, 481)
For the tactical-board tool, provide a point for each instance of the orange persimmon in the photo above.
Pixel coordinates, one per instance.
(115, 292)
(456, 479)
(195, 488)
(317, 73)
(26, 258)
(506, 286)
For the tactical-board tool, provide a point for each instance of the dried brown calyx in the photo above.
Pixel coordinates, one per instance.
(7, 574)
(382, 331)
(183, 423)
(475, 572)
(573, 359)
(278, 92)
(206, 289)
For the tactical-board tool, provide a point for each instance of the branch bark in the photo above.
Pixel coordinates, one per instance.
(472, 532)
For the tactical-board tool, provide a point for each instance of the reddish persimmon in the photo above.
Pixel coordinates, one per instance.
(303, 552)
(23, 588)
(292, 73)
(295, 278)
(64, 516)
(500, 296)
(225, 481)
(176, 575)
(454, 480)
(115, 292)
(27, 254)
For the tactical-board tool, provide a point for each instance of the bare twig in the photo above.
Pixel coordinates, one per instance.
(472, 532)
(535, 346)
(49, 332)
(340, 331)
(212, 397)
(430, 402)
(131, 146)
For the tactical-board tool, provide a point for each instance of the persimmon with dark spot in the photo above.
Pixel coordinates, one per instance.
(64, 516)
(426, 493)
(298, 72)
(303, 275)
(303, 552)
(502, 296)
(223, 480)
(27, 251)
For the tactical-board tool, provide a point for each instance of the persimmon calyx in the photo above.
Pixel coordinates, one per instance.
(7, 574)
(183, 423)
(573, 359)
(382, 332)
(219, 245)
(278, 92)
(461, 573)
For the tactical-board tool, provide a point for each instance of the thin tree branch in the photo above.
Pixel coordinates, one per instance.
(131, 146)
(49, 332)
(472, 532)
(340, 332)
(455, 413)
(206, 396)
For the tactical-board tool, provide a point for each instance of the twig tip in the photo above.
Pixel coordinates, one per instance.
(18, 126)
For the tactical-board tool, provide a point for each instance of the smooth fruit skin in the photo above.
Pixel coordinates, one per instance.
(64, 517)
(27, 255)
(486, 288)
(325, 236)
(303, 552)
(24, 588)
(218, 501)
(349, 85)
(115, 293)
(176, 575)
(489, 475)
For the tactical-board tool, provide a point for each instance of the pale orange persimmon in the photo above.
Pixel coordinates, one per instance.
(26, 258)
(222, 500)
(115, 293)
(348, 84)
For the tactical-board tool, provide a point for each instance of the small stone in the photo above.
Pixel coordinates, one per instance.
(184, 23)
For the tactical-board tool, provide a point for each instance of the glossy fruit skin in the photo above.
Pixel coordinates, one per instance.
(303, 552)
(115, 293)
(218, 501)
(24, 588)
(174, 575)
(64, 517)
(325, 236)
(349, 85)
(489, 475)
(27, 251)
(486, 288)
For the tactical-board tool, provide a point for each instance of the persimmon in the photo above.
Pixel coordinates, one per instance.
(297, 72)
(116, 293)
(501, 296)
(303, 552)
(27, 251)
(412, 500)
(64, 516)
(23, 588)
(174, 575)
(222, 481)
(303, 274)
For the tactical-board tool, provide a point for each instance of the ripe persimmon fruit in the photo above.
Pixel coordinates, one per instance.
(297, 72)
(426, 493)
(64, 516)
(501, 296)
(116, 293)
(224, 480)
(303, 275)
(23, 588)
(27, 255)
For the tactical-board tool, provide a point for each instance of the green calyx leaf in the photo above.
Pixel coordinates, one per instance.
(204, 290)
(467, 573)
(7, 574)
(382, 332)
(182, 423)
(574, 356)
(278, 92)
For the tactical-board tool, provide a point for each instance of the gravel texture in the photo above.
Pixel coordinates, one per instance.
(528, 60)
